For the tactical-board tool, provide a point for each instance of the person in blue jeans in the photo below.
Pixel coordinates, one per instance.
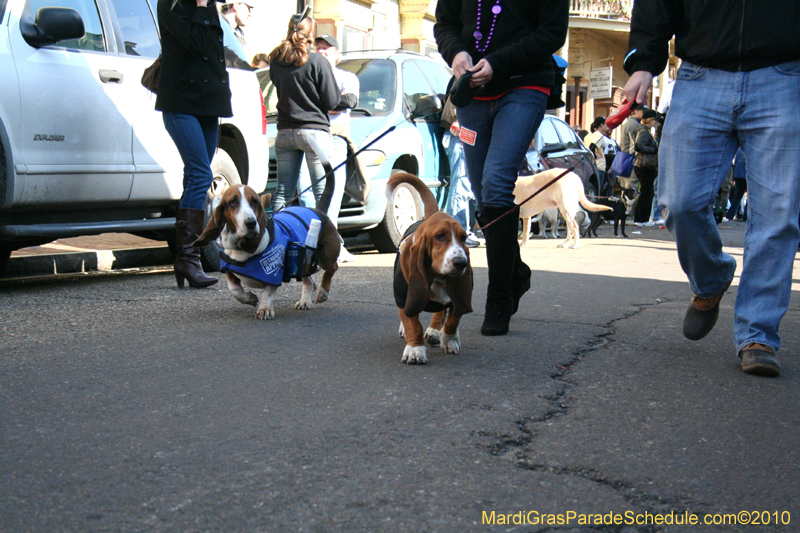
(738, 90)
(739, 186)
(190, 35)
(460, 191)
(307, 90)
(508, 47)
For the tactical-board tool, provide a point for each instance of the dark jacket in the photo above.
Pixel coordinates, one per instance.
(732, 35)
(645, 142)
(305, 94)
(526, 35)
(193, 76)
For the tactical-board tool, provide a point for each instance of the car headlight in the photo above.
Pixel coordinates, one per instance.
(372, 158)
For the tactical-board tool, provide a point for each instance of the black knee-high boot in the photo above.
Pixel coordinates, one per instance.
(509, 276)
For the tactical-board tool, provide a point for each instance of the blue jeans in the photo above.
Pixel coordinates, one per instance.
(504, 129)
(196, 140)
(657, 211)
(459, 192)
(338, 156)
(290, 147)
(713, 113)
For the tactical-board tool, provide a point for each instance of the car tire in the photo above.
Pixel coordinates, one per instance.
(402, 209)
(225, 175)
(591, 191)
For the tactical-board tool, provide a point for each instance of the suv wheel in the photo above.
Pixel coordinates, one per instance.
(403, 209)
(225, 175)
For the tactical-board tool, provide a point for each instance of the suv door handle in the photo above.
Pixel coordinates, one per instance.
(110, 76)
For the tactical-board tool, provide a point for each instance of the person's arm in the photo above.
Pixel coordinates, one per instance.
(447, 31)
(653, 24)
(192, 31)
(326, 83)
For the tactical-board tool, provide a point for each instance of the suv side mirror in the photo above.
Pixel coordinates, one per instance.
(553, 147)
(427, 105)
(52, 24)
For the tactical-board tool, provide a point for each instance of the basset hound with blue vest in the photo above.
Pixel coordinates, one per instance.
(432, 273)
(255, 247)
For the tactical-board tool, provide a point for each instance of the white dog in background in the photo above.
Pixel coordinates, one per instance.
(551, 218)
(566, 194)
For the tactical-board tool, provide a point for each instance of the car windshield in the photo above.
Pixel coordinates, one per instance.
(377, 78)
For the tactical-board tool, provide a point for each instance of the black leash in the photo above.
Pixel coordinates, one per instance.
(516, 207)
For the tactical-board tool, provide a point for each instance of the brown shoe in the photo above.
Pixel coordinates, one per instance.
(702, 314)
(759, 359)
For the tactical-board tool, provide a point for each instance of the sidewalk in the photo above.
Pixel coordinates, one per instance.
(110, 251)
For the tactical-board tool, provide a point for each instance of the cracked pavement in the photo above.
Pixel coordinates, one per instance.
(130, 405)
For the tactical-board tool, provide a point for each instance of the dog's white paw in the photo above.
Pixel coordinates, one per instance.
(414, 355)
(451, 343)
(322, 296)
(265, 313)
(432, 337)
(402, 332)
(304, 305)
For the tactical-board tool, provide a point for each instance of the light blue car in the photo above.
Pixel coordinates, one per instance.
(392, 84)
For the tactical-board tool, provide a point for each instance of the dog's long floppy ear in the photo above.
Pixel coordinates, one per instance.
(460, 292)
(415, 269)
(213, 228)
(266, 200)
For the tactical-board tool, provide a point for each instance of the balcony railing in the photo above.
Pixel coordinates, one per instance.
(606, 9)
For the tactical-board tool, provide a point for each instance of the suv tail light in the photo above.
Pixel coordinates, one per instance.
(263, 113)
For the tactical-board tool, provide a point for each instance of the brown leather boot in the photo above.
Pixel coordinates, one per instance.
(189, 225)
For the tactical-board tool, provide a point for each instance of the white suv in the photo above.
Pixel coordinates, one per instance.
(82, 150)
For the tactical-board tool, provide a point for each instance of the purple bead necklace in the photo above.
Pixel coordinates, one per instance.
(496, 9)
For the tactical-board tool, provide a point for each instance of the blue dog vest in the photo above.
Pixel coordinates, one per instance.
(287, 247)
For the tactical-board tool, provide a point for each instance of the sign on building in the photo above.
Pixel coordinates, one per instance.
(600, 83)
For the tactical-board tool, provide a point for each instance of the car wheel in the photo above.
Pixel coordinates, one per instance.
(591, 191)
(225, 175)
(402, 210)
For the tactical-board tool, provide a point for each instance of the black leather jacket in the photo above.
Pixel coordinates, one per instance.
(193, 75)
(732, 35)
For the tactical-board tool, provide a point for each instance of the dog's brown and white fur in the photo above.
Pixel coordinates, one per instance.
(566, 194)
(240, 219)
(435, 266)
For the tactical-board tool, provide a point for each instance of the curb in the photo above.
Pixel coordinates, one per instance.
(86, 261)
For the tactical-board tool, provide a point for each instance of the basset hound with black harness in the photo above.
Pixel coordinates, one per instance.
(432, 273)
(257, 247)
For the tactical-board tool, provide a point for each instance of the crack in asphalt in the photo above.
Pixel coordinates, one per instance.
(504, 443)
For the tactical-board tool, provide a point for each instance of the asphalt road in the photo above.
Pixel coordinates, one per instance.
(127, 404)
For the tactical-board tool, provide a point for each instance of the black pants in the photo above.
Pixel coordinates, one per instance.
(647, 178)
(737, 193)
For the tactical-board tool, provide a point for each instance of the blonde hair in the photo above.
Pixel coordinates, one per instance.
(294, 49)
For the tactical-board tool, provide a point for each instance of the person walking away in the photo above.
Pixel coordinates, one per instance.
(508, 48)
(597, 142)
(737, 90)
(307, 90)
(190, 35)
(349, 86)
(739, 187)
(626, 144)
(645, 166)
(459, 191)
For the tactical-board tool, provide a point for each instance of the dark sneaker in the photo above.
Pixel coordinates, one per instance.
(760, 360)
(701, 315)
